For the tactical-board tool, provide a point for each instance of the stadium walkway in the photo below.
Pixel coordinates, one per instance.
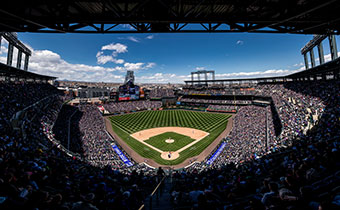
(163, 194)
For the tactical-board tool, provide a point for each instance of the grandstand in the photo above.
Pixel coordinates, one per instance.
(255, 143)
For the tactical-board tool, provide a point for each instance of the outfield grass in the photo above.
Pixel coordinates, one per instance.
(124, 125)
(159, 141)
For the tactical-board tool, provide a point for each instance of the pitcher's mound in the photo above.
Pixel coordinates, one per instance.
(172, 156)
(169, 141)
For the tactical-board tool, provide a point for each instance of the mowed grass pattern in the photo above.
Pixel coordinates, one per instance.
(124, 125)
(159, 141)
(134, 122)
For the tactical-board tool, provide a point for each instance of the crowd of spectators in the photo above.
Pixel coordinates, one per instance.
(222, 108)
(161, 92)
(305, 177)
(248, 138)
(214, 101)
(96, 143)
(62, 125)
(256, 170)
(89, 139)
(297, 104)
(221, 91)
(294, 170)
(36, 172)
(15, 96)
(118, 107)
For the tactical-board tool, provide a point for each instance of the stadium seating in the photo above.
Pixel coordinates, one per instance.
(114, 107)
(299, 168)
(161, 92)
(38, 173)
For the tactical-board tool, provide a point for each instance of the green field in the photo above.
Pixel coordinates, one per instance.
(159, 141)
(124, 125)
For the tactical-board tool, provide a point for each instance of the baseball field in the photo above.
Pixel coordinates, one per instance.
(169, 137)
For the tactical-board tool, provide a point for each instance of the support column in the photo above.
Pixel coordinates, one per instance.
(321, 55)
(199, 79)
(312, 58)
(26, 62)
(10, 54)
(192, 76)
(336, 74)
(306, 60)
(332, 46)
(19, 59)
(206, 78)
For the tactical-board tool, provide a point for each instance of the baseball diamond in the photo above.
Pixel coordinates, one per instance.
(147, 133)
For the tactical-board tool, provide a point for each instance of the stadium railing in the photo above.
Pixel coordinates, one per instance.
(155, 192)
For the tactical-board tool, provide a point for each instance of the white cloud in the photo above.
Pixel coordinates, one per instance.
(138, 66)
(103, 59)
(239, 42)
(162, 78)
(150, 37)
(254, 74)
(133, 66)
(118, 61)
(328, 57)
(200, 68)
(119, 48)
(174, 78)
(132, 38)
(3, 50)
(116, 47)
(50, 63)
(298, 64)
(47, 62)
(150, 65)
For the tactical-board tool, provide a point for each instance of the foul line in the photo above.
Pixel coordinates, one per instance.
(192, 143)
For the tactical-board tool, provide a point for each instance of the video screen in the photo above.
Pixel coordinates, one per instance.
(128, 92)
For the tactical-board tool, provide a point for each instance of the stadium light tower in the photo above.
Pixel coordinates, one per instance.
(205, 73)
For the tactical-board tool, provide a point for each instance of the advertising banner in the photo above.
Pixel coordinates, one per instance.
(216, 154)
(122, 156)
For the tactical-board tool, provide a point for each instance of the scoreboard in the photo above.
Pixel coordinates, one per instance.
(128, 92)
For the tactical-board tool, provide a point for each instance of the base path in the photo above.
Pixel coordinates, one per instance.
(148, 133)
(143, 135)
(139, 159)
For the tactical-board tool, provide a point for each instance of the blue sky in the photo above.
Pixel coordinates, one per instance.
(163, 57)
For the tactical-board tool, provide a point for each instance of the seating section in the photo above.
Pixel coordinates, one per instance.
(161, 92)
(258, 168)
(118, 107)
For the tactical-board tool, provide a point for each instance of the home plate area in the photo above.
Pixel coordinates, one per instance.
(170, 141)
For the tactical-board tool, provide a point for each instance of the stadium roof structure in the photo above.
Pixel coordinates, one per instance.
(331, 68)
(148, 16)
(12, 72)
